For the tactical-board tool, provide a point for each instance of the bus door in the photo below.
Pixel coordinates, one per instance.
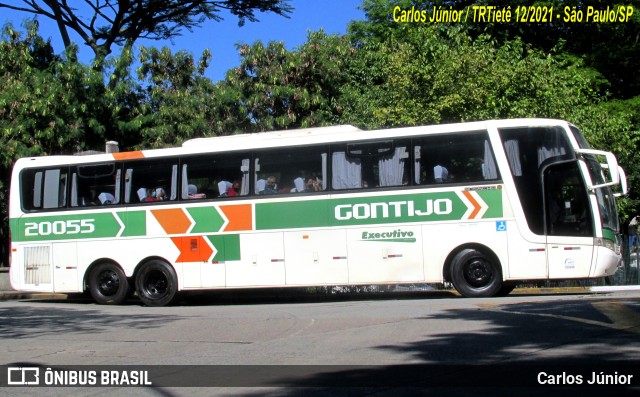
(568, 221)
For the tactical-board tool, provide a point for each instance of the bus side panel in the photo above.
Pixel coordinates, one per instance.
(385, 254)
(316, 257)
(262, 262)
(527, 257)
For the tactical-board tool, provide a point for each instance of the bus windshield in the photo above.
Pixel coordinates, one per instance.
(604, 196)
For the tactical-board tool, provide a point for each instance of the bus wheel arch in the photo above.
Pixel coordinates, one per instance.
(107, 282)
(474, 270)
(156, 282)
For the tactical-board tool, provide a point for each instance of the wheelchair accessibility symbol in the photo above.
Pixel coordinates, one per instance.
(501, 226)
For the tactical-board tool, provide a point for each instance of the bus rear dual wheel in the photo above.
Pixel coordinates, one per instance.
(475, 274)
(156, 283)
(108, 284)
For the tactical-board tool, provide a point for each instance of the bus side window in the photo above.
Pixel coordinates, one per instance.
(455, 158)
(217, 175)
(151, 181)
(95, 184)
(290, 170)
(44, 189)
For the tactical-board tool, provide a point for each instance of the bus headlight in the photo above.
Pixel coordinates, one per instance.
(607, 243)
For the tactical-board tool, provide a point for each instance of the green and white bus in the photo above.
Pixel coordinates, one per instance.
(481, 205)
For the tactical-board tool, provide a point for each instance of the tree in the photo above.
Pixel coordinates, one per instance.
(119, 22)
(175, 98)
(48, 104)
(608, 47)
(274, 88)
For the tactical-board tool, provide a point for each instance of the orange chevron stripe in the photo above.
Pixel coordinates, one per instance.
(240, 217)
(173, 220)
(128, 155)
(475, 204)
(192, 249)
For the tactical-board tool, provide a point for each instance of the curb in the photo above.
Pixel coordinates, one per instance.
(15, 295)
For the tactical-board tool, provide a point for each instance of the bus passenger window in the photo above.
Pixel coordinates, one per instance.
(151, 181)
(454, 158)
(362, 165)
(95, 184)
(291, 170)
(218, 175)
(44, 189)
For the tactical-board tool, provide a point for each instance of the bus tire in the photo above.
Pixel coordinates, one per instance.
(474, 274)
(156, 283)
(108, 284)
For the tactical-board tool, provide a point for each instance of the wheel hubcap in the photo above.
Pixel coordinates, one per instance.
(478, 272)
(156, 284)
(108, 282)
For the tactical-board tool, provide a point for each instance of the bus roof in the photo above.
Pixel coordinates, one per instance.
(284, 138)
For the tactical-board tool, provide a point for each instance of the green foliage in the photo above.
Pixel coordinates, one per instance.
(47, 103)
(435, 75)
(175, 97)
(279, 89)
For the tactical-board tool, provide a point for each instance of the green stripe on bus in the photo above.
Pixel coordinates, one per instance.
(404, 208)
(135, 223)
(493, 198)
(67, 227)
(207, 219)
(227, 245)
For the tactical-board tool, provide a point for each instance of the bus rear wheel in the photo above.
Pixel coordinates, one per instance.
(156, 283)
(108, 284)
(475, 274)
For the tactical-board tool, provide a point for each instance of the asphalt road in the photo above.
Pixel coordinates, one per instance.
(362, 341)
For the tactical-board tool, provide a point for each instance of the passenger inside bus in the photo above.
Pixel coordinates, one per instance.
(106, 198)
(192, 192)
(440, 174)
(271, 187)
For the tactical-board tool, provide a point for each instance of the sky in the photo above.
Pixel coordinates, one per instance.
(220, 37)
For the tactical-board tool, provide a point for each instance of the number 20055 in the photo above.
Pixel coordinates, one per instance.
(76, 226)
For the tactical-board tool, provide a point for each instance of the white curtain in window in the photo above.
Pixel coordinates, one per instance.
(552, 145)
(550, 150)
(513, 155)
(391, 169)
(174, 182)
(489, 170)
(258, 184)
(117, 189)
(185, 182)
(324, 171)
(74, 190)
(416, 157)
(347, 173)
(244, 187)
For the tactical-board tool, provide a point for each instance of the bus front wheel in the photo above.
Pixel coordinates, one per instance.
(474, 274)
(156, 283)
(108, 284)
